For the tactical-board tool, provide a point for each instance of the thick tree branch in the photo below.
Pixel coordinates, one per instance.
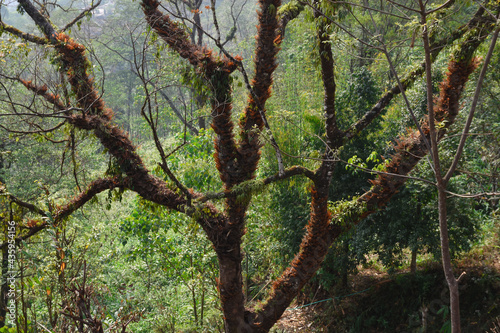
(29, 206)
(23, 35)
(254, 120)
(475, 100)
(333, 134)
(411, 149)
(97, 118)
(62, 212)
(288, 13)
(49, 97)
(178, 39)
(41, 21)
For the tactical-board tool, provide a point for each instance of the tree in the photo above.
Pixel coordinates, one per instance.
(443, 176)
(237, 157)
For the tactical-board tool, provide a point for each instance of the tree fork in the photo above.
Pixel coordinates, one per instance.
(254, 120)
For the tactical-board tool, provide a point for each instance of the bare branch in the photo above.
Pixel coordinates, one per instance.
(372, 9)
(475, 196)
(397, 4)
(445, 5)
(81, 15)
(186, 123)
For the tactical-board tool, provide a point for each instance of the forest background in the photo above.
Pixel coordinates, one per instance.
(123, 262)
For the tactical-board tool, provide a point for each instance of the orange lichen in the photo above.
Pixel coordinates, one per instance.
(411, 148)
(267, 42)
(31, 223)
(42, 91)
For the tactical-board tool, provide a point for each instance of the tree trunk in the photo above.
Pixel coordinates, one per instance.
(446, 259)
(231, 291)
(4, 287)
(413, 263)
(345, 264)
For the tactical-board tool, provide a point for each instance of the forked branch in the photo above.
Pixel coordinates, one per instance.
(59, 213)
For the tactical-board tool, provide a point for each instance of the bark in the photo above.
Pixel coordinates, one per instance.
(197, 29)
(318, 239)
(23, 35)
(305, 264)
(287, 14)
(41, 21)
(333, 134)
(413, 263)
(4, 288)
(230, 288)
(225, 155)
(446, 260)
(253, 121)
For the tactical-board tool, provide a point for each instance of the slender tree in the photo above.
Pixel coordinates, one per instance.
(442, 176)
